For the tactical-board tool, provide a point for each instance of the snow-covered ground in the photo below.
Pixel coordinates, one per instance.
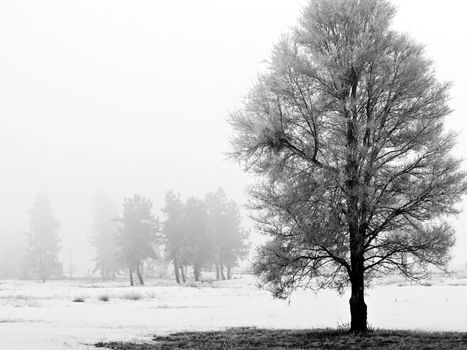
(44, 317)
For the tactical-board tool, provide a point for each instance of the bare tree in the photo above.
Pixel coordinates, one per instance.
(346, 129)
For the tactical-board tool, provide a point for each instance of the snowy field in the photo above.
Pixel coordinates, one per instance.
(45, 317)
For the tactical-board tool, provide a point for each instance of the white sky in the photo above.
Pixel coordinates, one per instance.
(132, 97)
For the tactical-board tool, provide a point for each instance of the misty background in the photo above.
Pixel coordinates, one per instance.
(133, 97)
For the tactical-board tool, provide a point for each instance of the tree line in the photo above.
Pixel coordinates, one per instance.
(193, 235)
(200, 233)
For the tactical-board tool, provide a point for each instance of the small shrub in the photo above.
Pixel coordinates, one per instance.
(78, 300)
(192, 284)
(104, 297)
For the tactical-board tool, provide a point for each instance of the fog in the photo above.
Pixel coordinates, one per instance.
(132, 97)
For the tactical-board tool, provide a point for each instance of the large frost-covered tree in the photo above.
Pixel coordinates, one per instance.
(42, 240)
(346, 129)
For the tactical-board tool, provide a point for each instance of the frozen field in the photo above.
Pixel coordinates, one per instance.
(44, 317)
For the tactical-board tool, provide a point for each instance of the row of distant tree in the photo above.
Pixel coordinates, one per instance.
(203, 232)
(195, 234)
(192, 235)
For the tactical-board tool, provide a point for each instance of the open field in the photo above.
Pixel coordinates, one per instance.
(44, 316)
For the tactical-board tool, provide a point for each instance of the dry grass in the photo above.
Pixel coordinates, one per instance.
(104, 297)
(252, 338)
(132, 295)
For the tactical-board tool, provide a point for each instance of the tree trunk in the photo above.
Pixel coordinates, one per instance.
(132, 283)
(229, 272)
(197, 272)
(358, 309)
(356, 214)
(218, 274)
(140, 276)
(183, 271)
(177, 276)
(222, 271)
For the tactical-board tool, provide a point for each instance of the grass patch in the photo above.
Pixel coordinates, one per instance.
(17, 320)
(132, 296)
(192, 284)
(253, 338)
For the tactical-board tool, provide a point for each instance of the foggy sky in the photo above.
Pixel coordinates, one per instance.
(133, 96)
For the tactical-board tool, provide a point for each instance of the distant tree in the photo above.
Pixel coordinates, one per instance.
(105, 236)
(225, 232)
(174, 232)
(216, 203)
(346, 128)
(198, 246)
(235, 246)
(138, 234)
(42, 240)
